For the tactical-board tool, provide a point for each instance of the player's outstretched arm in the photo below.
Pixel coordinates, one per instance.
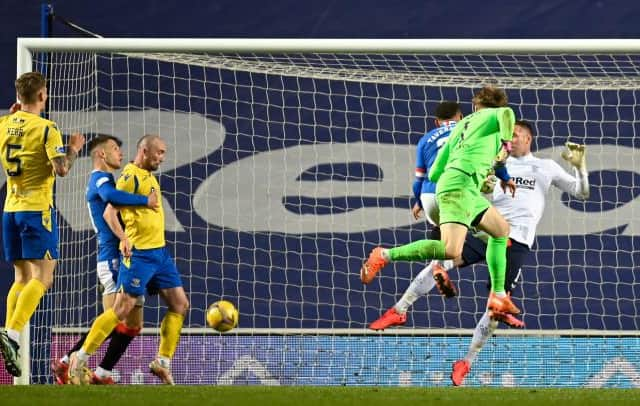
(578, 186)
(110, 194)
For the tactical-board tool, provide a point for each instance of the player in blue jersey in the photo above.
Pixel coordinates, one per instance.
(447, 114)
(478, 144)
(101, 190)
(32, 154)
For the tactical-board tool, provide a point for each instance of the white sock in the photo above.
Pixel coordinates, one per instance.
(102, 373)
(484, 330)
(420, 286)
(164, 361)
(14, 335)
(445, 263)
(82, 355)
(385, 254)
(65, 359)
(501, 294)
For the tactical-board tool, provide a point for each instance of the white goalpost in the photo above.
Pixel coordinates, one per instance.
(289, 159)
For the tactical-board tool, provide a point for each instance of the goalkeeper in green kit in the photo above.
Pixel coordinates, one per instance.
(479, 143)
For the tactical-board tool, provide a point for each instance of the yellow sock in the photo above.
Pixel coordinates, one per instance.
(26, 304)
(100, 330)
(12, 299)
(170, 334)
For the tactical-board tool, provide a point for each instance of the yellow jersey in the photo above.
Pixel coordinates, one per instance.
(28, 143)
(144, 226)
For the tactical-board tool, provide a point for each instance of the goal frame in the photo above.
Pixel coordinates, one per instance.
(28, 47)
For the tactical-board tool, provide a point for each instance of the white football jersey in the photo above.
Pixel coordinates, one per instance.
(533, 177)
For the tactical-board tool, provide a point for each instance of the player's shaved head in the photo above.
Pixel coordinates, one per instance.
(151, 151)
(146, 140)
(490, 96)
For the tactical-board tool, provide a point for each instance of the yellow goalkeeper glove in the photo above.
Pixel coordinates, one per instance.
(489, 183)
(575, 154)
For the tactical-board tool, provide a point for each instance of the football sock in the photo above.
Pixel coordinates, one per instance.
(12, 299)
(14, 335)
(497, 262)
(418, 251)
(484, 330)
(164, 361)
(170, 334)
(422, 284)
(100, 330)
(82, 355)
(120, 340)
(77, 345)
(26, 304)
(103, 373)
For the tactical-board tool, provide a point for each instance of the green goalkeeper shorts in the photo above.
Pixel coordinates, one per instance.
(459, 198)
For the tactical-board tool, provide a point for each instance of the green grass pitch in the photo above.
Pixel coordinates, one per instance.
(307, 396)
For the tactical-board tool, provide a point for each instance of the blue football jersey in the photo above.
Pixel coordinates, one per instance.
(107, 241)
(101, 190)
(426, 153)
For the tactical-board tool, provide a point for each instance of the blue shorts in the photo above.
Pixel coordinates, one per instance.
(30, 235)
(152, 269)
(475, 250)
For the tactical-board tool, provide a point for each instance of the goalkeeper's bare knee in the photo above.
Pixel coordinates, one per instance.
(494, 224)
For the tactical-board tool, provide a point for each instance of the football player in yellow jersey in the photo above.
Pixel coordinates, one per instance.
(146, 264)
(32, 154)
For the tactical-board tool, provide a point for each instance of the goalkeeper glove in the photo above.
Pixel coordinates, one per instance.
(504, 152)
(489, 184)
(575, 154)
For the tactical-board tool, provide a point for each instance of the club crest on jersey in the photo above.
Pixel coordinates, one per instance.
(526, 183)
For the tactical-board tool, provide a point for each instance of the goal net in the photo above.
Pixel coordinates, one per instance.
(286, 167)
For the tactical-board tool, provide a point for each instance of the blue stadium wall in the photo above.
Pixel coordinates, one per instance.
(350, 19)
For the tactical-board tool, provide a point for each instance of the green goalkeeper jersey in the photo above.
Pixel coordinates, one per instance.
(474, 142)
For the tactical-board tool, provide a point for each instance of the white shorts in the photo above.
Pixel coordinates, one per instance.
(108, 276)
(430, 207)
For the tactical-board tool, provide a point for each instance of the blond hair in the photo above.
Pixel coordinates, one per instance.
(491, 96)
(28, 85)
